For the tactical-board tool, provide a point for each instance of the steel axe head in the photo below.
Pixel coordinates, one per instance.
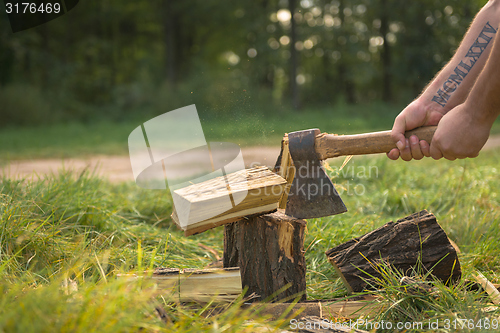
(312, 193)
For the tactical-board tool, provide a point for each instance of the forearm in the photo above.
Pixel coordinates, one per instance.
(453, 83)
(483, 102)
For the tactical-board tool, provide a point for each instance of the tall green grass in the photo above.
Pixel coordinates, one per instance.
(77, 227)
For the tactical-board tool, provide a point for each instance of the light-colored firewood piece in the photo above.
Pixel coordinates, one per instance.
(286, 170)
(194, 285)
(489, 287)
(227, 199)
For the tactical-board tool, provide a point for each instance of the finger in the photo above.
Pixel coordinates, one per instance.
(398, 130)
(415, 148)
(393, 154)
(435, 152)
(450, 158)
(406, 152)
(424, 147)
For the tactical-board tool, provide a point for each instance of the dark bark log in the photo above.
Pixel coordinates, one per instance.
(269, 249)
(401, 244)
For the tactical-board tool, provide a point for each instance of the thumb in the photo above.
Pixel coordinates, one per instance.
(435, 152)
(398, 132)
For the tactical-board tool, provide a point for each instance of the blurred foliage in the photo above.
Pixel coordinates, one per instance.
(127, 59)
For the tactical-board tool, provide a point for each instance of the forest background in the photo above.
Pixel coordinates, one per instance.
(131, 60)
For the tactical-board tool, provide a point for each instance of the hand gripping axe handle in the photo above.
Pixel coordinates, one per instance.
(312, 193)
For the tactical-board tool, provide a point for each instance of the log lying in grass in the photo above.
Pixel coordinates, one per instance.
(401, 244)
(226, 199)
(269, 249)
(194, 285)
(346, 308)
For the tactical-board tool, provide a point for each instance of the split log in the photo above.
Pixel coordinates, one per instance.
(226, 199)
(194, 285)
(401, 244)
(269, 249)
(285, 168)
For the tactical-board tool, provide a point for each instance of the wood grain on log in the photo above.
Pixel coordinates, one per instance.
(401, 244)
(269, 249)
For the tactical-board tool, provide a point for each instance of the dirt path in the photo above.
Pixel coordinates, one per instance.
(115, 168)
(118, 169)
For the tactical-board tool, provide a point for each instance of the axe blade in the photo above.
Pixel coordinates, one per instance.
(312, 193)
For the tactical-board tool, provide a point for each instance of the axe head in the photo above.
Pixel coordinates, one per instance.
(312, 193)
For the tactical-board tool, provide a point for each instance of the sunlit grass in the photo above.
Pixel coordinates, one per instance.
(80, 227)
(425, 304)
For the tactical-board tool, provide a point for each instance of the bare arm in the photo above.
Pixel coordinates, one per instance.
(464, 130)
(484, 99)
(451, 85)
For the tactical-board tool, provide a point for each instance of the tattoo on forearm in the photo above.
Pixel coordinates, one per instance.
(460, 72)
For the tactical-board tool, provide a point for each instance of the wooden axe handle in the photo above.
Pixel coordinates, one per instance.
(331, 145)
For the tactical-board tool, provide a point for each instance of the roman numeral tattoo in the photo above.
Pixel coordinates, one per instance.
(460, 72)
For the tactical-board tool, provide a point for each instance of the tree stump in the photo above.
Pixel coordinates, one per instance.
(401, 244)
(269, 249)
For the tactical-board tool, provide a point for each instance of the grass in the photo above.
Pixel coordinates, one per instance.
(250, 129)
(80, 229)
(430, 305)
(77, 227)
(253, 128)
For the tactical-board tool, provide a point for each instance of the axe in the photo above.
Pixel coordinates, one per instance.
(310, 192)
